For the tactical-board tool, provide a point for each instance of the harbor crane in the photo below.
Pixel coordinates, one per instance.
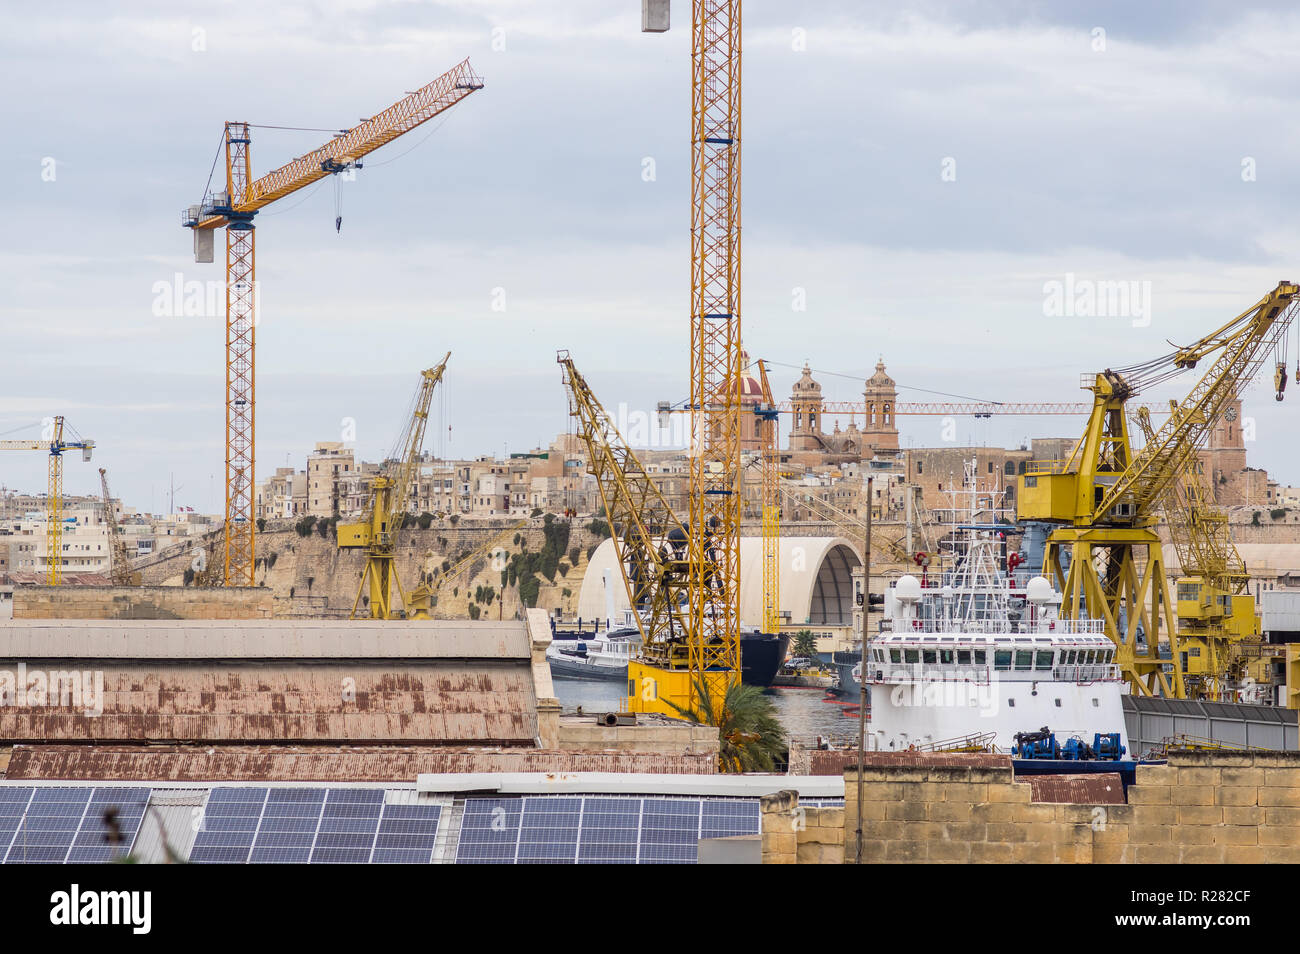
(1103, 499)
(119, 559)
(389, 496)
(234, 209)
(654, 557)
(55, 446)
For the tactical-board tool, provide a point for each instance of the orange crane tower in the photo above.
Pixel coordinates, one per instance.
(234, 210)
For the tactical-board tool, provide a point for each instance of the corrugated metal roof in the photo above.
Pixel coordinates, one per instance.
(1098, 788)
(334, 764)
(30, 639)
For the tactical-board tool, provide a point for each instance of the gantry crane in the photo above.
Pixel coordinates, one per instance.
(234, 210)
(1103, 498)
(654, 558)
(56, 445)
(119, 560)
(389, 497)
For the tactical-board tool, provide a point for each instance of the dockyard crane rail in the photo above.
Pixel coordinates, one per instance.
(55, 446)
(1103, 497)
(650, 542)
(234, 209)
(390, 495)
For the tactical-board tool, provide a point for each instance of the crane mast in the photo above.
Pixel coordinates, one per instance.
(389, 496)
(715, 478)
(234, 210)
(771, 504)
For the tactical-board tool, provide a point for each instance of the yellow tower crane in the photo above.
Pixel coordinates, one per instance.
(1104, 497)
(234, 210)
(713, 525)
(119, 559)
(56, 445)
(389, 497)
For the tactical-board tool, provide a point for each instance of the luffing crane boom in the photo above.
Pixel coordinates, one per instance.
(119, 559)
(389, 497)
(234, 210)
(56, 445)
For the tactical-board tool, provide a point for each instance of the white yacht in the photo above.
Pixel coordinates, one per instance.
(601, 656)
(980, 654)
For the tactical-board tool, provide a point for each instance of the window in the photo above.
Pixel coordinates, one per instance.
(963, 657)
(1058, 703)
(1010, 468)
(927, 656)
(990, 467)
(911, 656)
(980, 659)
(1002, 659)
(945, 656)
(1024, 658)
(1043, 659)
(1011, 703)
(918, 467)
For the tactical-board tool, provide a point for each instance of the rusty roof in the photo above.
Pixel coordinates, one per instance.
(1097, 788)
(31, 639)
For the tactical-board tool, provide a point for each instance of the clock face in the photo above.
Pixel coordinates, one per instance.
(1230, 414)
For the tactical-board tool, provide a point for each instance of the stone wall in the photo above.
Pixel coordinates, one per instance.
(798, 834)
(142, 602)
(1198, 808)
(669, 740)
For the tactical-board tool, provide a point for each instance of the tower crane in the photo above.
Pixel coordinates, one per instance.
(56, 445)
(234, 210)
(713, 525)
(1103, 498)
(119, 560)
(654, 557)
(389, 496)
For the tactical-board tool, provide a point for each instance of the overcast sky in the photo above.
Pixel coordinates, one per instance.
(920, 171)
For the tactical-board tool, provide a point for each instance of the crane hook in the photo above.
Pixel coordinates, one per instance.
(1279, 380)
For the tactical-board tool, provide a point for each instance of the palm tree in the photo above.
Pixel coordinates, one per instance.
(805, 644)
(750, 736)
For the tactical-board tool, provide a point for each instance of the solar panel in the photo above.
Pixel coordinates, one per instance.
(724, 819)
(92, 844)
(229, 824)
(13, 806)
(288, 829)
(548, 831)
(610, 831)
(489, 831)
(348, 826)
(407, 834)
(45, 832)
(670, 830)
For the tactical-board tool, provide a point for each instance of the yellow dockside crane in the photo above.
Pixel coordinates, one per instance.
(234, 210)
(1104, 497)
(56, 445)
(389, 496)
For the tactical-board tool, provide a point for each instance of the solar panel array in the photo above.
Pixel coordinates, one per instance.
(597, 830)
(57, 824)
(313, 826)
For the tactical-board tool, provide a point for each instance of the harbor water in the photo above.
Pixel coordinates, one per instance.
(805, 713)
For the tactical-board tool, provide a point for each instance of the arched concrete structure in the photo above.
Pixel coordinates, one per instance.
(815, 576)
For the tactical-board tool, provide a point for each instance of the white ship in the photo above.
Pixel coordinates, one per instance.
(980, 652)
